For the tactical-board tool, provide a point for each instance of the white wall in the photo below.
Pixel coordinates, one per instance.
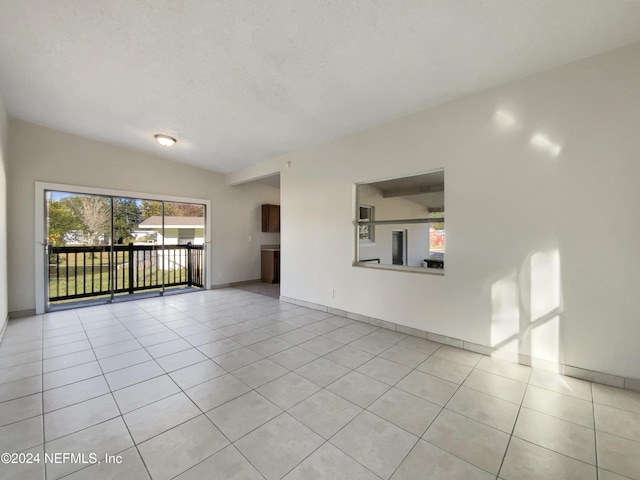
(4, 135)
(542, 250)
(41, 154)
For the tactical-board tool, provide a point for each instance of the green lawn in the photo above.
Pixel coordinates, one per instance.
(84, 281)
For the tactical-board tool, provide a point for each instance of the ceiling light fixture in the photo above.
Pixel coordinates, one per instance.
(165, 140)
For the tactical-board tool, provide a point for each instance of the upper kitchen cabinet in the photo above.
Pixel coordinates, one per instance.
(270, 218)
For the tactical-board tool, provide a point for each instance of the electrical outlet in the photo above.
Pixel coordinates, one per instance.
(250, 238)
(332, 292)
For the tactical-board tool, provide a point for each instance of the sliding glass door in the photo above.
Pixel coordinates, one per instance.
(103, 248)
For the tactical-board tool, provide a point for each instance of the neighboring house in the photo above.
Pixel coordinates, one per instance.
(177, 230)
(78, 237)
(144, 236)
(73, 237)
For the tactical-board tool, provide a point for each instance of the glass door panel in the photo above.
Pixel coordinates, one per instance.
(78, 247)
(184, 225)
(104, 248)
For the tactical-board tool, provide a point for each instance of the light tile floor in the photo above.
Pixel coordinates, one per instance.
(228, 384)
(268, 289)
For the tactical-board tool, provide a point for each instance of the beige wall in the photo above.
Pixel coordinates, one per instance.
(4, 130)
(42, 154)
(542, 245)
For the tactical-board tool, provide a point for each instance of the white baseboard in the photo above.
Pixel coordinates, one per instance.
(569, 370)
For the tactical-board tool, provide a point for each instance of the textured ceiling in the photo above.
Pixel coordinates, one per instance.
(240, 82)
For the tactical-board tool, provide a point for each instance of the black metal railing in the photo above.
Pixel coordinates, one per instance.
(82, 272)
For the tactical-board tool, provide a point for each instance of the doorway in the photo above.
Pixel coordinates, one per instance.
(103, 248)
(399, 247)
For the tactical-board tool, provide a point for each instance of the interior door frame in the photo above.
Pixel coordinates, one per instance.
(405, 244)
(41, 228)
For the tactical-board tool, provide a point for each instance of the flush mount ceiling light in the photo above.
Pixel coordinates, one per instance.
(165, 140)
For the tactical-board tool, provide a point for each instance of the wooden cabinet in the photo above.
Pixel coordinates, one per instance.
(270, 266)
(270, 218)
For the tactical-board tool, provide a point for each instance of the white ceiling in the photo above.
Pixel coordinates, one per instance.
(240, 82)
(414, 189)
(402, 186)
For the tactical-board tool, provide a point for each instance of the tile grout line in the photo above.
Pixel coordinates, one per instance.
(547, 448)
(114, 399)
(120, 321)
(285, 411)
(559, 419)
(417, 441)
(185, 367)
(272, 336)
(465, 416)
(444, 407)
(92, 349)
(513, 429)
(328, 440)
(181, 391)
(120, 411)
(366, 409)
(207, 417)
(182, 423)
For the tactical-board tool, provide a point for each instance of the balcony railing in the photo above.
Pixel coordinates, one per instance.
(82, 272)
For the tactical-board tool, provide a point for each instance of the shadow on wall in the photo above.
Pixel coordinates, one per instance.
(526, 311)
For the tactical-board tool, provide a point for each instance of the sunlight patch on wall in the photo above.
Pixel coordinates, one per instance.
(505, 311)
(545, 341)
(505, 120)
(526, 312)
(545, 283)
(542, 142)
